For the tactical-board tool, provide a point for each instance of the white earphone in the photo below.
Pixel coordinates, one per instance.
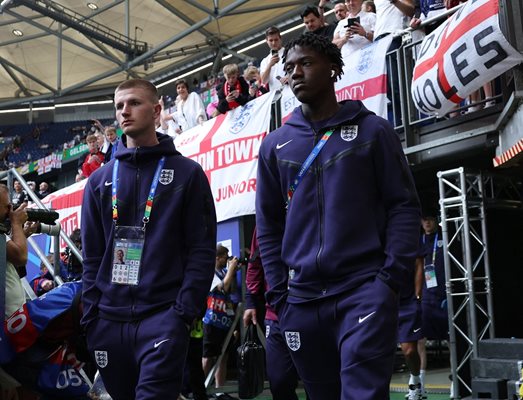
(333, 73)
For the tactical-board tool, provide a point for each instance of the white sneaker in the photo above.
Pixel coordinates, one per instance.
(415, 392)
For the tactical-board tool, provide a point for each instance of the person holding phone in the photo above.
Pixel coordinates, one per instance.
(355, 31)
(271, 67)
(234, 91)
(256, 87)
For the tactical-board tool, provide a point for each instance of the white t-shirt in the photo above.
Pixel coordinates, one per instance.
(367, 21)
(14, 291)
(276, 70)
(188, 111)
(389, 19)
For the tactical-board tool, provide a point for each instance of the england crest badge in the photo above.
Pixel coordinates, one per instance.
(101, 358)
(166, 176)
(293, 340)
(349, 132)
(365, 61)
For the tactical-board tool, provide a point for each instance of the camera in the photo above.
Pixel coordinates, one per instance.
(47, 220)
(253, 84)
(44, 216)
(351, 21)
(51, 230)
(241, 260)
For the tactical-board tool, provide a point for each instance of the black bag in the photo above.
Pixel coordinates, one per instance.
(251, 365)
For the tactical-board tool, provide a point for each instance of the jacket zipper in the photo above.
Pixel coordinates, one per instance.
(319, 185)
(136, 197)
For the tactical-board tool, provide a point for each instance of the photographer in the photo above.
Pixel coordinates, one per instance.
(219, 315)
(16, 250)
(70, 267)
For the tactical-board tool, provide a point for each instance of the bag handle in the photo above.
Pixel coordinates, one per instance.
(254, 333)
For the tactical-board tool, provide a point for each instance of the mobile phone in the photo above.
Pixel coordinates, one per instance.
(351, 21)
(168, 101)
(273, 52)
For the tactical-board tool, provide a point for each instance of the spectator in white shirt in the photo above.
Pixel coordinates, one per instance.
(392, 16)
(271, 67)
(351, 35)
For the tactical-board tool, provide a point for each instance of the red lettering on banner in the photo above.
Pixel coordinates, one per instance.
(69, 224)
(236, 151)
(206, 143)
(363, 90)
(235, 189)
(475, 18)
(187, 140)
(20, 330)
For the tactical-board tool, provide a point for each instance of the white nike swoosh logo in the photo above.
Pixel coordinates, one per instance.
(416, 330)
(157, 344)
(279, 146)
(361, 319)
(108, 183)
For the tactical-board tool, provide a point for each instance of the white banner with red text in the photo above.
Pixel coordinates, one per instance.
(68, 203)
(364, 78)
(467, 51)
(227, 149)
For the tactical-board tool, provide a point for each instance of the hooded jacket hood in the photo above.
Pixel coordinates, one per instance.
(165, 147)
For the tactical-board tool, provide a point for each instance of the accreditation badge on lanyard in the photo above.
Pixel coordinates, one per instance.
(128, 241)
(127, 254)
(430, 269)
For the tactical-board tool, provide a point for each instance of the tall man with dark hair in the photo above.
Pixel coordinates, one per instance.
(337, 217)
(157, 206)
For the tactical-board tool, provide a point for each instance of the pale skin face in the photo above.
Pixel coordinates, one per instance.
(182, 91)
(110, 135)
(92, 146)
(136, 112)
(232, 79)
(5, 205)
(353, 6)
(312, 22)
(341, 11)
(429, 225)
(274, 42)
(17, 186)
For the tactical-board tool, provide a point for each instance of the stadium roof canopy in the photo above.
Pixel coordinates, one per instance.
(65, 50)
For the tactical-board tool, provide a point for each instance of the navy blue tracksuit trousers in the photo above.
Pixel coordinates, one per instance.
(343, 346)
(281, 372)
(141, 359)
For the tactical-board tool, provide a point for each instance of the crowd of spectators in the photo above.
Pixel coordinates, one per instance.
(355, 24)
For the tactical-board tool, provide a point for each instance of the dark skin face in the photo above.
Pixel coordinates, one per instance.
(310, 79)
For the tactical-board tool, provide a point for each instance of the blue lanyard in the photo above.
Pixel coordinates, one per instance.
(306, 165)
(434, 247)
(150, 197)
